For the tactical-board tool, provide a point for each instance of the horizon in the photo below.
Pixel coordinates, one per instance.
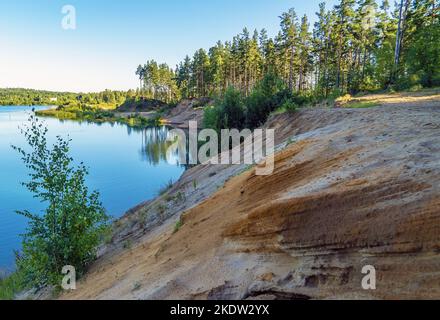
(104, 51)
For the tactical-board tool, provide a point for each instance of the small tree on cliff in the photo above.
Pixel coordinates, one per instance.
(70, 228)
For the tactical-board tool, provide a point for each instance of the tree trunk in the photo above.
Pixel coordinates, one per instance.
(399, 36)
(292, 53)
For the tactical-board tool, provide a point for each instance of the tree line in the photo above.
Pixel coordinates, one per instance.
(30, 97)
(354, 46)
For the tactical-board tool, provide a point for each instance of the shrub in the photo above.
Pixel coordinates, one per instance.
(11, 285)
(70, 228)
(227, 112)
(343, 99)
(257, 107)
(166, 187)
(289, 106)
(211, 118)
(415, 88)
(232, 109)
(178, 225)
(268, 95)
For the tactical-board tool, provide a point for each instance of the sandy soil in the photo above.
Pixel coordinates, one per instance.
(187, 111)
(353, 187)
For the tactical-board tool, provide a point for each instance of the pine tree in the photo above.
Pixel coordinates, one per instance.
(344, 14)
(200, 72)
(384, 50)
(354, 46)
(321, 50)
(422, 52)
(305, 59)
(183, 77)
(216, 78)
(289, 42)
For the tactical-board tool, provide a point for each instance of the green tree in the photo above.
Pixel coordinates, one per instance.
(289, 46)
(422, 49)
(384, 50)
(355, 46)
(343, 34)
(321, 51)
(305, 58)
(217, 69)
(232, 110)
(70, 229)
(183, 77)
(264, 99)
(200, 69)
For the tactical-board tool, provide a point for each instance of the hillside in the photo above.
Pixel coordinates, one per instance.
(351, 187)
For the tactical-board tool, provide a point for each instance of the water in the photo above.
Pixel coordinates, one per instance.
(127, 166)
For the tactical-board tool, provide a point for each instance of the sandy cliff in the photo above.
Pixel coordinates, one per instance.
(352, 187)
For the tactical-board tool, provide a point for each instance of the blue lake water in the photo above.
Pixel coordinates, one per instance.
(126, 165)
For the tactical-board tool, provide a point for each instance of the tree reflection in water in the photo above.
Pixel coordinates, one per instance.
(155, 144)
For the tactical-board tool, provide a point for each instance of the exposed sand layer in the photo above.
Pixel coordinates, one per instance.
(187, 110)
(351, 188)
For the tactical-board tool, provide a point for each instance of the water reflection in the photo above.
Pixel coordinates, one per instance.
(155, 143)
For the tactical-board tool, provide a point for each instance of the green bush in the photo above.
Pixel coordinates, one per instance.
(268, 95)
(235, 111)
(227, 112)
(11, 285)
(70, 228)
(289, 106)
(232, 109)
(211, 118)
(257, 107)
(415, 88)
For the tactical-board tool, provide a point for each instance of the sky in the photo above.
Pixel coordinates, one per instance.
(113, 37)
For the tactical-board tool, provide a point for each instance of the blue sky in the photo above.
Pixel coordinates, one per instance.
(114, 36)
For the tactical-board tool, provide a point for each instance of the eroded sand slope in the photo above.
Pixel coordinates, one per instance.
(352, 188)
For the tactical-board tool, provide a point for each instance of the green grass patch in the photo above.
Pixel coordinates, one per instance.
(361, 104)
(179, 224)
(165, 188)
(11, 285)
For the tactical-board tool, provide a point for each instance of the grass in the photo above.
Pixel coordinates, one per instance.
(361, 104)
(165, 188)
(107, 237)
(136, 286)
(279, 110)
(285, 108)
(179, 224)
(290, 141)
(11, 285)
(127, 244)
(178, 197)
(161, 209)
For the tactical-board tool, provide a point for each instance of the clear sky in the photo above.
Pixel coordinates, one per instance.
(114, 36)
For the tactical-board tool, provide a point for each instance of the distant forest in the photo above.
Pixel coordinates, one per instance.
(354, 46)
(31, 97)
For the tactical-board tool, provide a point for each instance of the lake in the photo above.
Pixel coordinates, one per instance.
(127, 166)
